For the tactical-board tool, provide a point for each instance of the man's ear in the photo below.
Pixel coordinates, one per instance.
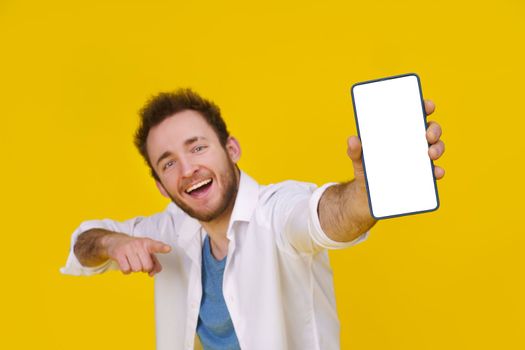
(162, 189)
(233, 148)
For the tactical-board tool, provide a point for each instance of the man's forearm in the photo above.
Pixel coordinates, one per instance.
(343, 211)
(90, 248)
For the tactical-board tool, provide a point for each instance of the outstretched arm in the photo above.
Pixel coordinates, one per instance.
(343, 209)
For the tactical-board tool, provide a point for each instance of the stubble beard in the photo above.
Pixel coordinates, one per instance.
(228, 198)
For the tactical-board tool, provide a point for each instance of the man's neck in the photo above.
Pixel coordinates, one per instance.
(217, 229)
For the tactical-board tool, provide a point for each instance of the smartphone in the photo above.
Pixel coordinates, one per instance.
(391, 124)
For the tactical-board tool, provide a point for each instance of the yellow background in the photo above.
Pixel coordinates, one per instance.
(73, 75)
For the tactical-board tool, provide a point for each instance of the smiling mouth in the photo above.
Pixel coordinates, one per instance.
(199, 188)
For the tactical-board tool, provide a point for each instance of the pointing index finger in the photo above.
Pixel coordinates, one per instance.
(159, 247)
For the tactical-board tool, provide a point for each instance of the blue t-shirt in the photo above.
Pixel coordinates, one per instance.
(215, 327)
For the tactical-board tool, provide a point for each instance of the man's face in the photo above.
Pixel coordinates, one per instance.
(194, 169)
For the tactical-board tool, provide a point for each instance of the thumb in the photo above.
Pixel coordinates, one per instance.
(356, 155)
(158, 247)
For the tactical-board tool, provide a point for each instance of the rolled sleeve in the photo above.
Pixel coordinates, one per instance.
(75, 268)
(317, 233)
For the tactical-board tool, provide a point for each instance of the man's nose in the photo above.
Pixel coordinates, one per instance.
(188, 168)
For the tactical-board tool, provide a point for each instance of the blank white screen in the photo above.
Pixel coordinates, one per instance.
(391, 124)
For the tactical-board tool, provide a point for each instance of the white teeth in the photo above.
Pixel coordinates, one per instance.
(197, 185)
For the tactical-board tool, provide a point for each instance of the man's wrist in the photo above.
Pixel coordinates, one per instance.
(91, 247)
(107, 241)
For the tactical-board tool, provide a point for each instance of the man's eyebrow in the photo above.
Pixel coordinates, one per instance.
(163, 156)
(193, 139)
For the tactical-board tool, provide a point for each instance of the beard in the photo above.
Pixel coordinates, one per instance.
(228, 195)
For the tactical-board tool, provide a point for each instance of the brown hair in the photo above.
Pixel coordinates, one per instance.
(166, 104)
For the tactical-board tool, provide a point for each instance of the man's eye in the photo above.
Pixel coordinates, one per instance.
(199, 148)
(168, 164)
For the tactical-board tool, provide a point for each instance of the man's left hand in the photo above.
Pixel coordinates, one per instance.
(437, 146)
(435, 150)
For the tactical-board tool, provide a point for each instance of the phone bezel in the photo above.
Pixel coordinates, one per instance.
(363, 156)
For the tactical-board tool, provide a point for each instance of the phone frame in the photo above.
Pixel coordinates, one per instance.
(362, 151)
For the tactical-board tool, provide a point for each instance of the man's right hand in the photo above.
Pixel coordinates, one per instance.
(134, 254)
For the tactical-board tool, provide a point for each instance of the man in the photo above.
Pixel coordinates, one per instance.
(243, 265)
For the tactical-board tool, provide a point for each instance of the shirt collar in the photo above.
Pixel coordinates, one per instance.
(247, 198)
